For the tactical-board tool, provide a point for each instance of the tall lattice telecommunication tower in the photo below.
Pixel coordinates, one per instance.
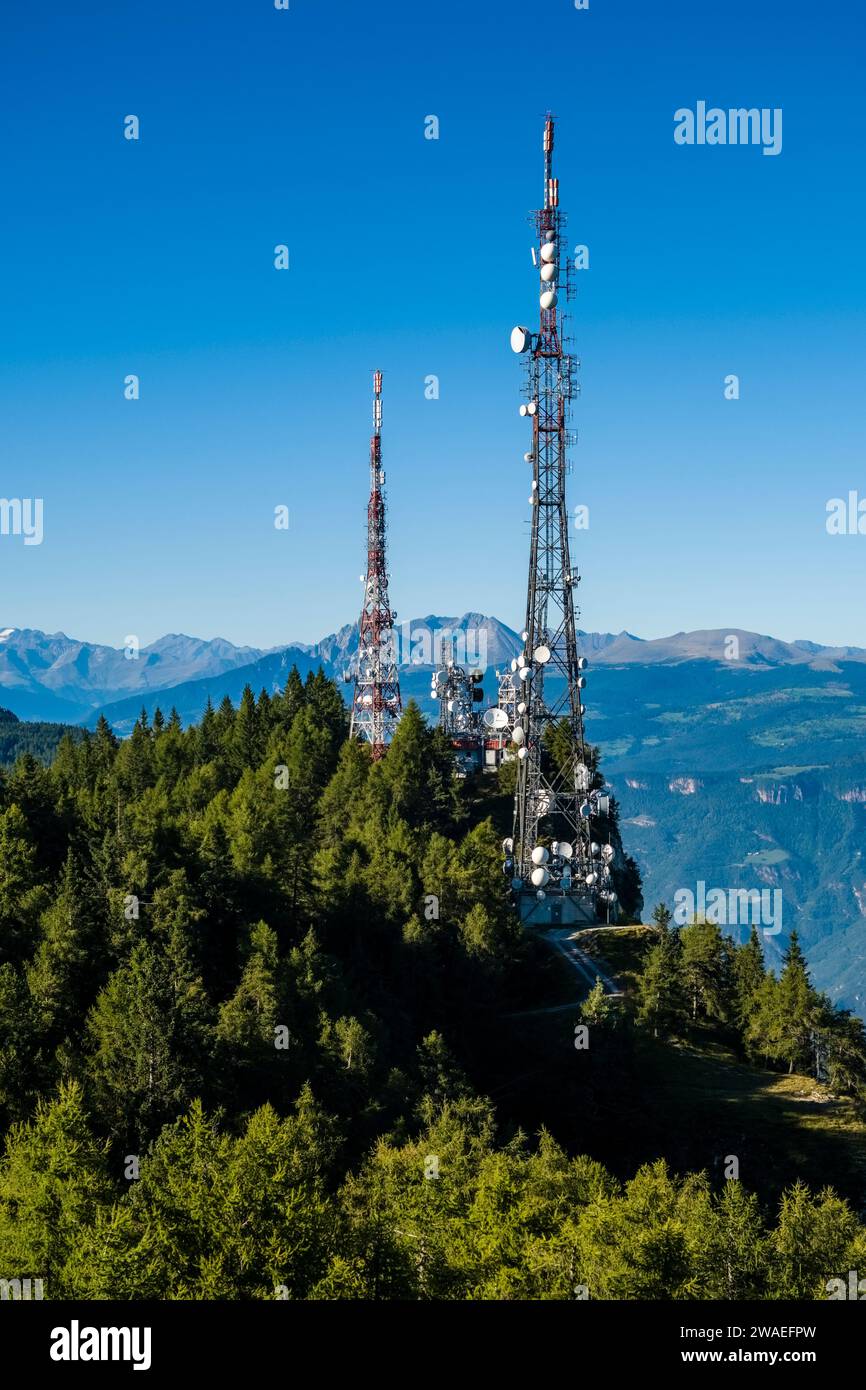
(557, 858)
(376, 702)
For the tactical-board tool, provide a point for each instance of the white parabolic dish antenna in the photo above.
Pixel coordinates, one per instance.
(520, 339)
(495, 719)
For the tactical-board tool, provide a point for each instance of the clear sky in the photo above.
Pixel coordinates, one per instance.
(306, 127)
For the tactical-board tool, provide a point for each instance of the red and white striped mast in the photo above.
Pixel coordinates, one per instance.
(376, 704)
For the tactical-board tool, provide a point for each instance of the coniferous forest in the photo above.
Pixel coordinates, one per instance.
(271, 1029)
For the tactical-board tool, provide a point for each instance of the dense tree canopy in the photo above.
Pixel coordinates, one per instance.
(254, 988)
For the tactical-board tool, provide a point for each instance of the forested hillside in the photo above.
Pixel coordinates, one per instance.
(40, 740)
(743, 773)
(271, 1028)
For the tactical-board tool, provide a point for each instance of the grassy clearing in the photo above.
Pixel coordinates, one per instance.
(697, 1103)
(779, 1127)
(621, 948)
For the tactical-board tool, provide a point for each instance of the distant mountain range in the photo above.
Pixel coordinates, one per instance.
(737, 759)
(52, 676)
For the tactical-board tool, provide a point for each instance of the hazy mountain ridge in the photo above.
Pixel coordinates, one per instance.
(50, 675)
(53, 675)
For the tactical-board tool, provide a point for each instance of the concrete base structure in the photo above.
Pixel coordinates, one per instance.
(556, 909)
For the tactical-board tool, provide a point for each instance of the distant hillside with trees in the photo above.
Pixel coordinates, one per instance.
(38, 739)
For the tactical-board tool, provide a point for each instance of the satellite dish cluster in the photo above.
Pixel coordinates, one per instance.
(548, 263)
(548, 257)
(555, 867)
(459, 693)
(515, 695)
(480, 737)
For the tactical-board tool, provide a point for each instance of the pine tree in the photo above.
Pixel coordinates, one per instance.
(220, 896)
(442, 883)
(64, 974)
(224, 722)
(748, 975)
(20, 895)
(105, 746)
(207, 736)
(440, 1078)
(841, 1050)
(597, 1009)
(477, 931)
(328, 709)
(247, 745)
(765, 1026)
(135, 763)
(343, 791)
(21, 1068)
(293, 699)
(661, 989)
(704, 971)
(729, 1245)
(797, 1004)
(54, 1180)
(418, 773)
(248, 1021)
(149, 1039)
(42, 798)
(628, 883)
(662, 917)
(812, 1242)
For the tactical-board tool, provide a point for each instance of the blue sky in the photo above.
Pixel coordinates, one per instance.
(306, 127)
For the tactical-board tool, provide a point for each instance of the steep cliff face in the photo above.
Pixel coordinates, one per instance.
(778, 794)
(686, 786)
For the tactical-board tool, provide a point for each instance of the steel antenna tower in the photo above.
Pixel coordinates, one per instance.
(554, 879)
(376, 704)
(459, 692)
